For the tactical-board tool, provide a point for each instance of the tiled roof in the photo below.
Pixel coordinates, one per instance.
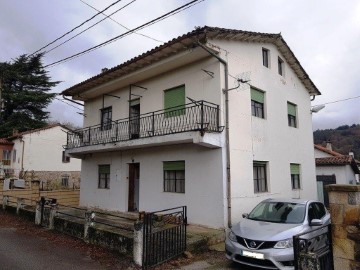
(337, 161)
(5, 141)
(35, 130)
(330, 152)
(188, 41)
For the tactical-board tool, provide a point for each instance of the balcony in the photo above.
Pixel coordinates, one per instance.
(199, 117)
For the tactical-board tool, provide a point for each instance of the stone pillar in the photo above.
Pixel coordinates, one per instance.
(38, 213)
(19, 205)
(5, 201)
(345, 219)
(138, 242)
(53, 213)
(89, 222)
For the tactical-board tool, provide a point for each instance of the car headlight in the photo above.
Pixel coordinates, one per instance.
(288, 243)
(232, 236)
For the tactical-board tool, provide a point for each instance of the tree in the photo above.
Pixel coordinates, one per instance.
(25, 93)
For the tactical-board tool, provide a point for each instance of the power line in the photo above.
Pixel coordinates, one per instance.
(52, 42)
(108, 16)
(68, 104)
(336, 101)
(162, 17)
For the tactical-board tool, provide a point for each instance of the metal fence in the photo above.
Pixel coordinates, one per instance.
(313, 250)
(164, 235)
(197, 116)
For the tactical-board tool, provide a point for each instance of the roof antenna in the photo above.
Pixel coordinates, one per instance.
(210, 73)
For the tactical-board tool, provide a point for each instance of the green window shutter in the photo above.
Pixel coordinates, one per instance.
(291, 109)
(174, 165)
(294, 169)
(104, 169)
(173, 98)
(257, 95)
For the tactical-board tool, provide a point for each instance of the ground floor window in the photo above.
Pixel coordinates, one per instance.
(174, 176)
(260, 179)
(104, 176)
(65, 180)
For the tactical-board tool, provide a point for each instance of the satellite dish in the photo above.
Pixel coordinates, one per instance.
(242, 81)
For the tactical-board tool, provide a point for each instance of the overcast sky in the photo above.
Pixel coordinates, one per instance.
(323, 34)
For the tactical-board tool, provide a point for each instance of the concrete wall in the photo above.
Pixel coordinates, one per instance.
(42, 151)
(344, 174)
(203, 182)
(345, 219)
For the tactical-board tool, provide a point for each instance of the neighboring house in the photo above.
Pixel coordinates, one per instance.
(333, 168)
(5, 156)
(41, 150)
(175, 127)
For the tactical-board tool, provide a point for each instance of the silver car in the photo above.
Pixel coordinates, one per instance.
(264, 238)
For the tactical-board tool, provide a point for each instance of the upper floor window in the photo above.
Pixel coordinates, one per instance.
(281, 66)
(174, 176)
(292, 121)
(6, 158)
(104, 176)
(174, 101)
(260, 179)
(106, 118)
(295, 175)
(266, 57)
(257, 103)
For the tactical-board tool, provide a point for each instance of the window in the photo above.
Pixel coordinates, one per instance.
(291, 114)
(260, 181)
(14, 156)
(257, 103)
(295, 175)
(280, 66)
(65, 158)
(174, 101)
(104, 176)
(6, 160)
(106, 118)
(265, 55)
(174, 176)
(65, 181)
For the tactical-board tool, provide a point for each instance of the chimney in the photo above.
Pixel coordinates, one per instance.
(104, 70)
(328, 145)
(15, 132)
(351, 153)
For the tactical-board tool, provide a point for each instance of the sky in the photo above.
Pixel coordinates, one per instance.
(324, 35)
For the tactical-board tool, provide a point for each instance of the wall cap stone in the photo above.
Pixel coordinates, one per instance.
(343, 188)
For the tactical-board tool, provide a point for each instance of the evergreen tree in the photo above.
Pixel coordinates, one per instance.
(25, 94)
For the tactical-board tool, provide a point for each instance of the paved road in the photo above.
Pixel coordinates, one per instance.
(26, 252)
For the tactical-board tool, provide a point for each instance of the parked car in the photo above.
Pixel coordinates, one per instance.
(264, 238)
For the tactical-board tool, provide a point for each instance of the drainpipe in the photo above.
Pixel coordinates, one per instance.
(226, 94)
(22, 154)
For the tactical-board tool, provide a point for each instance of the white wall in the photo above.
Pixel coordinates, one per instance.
(203, 181)
(344, 174)
(43, 152)
(269, 139)
(321, 154)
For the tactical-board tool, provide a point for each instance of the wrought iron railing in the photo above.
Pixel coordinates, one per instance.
(199, 116)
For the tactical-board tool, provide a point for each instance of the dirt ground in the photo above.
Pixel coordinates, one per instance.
(108, 259)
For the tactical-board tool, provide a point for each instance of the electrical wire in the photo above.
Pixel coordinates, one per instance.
(108, 16)
(336, 101)
(160, 18)
(68, 104)
(52, 42)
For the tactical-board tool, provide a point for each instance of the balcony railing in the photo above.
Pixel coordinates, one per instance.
(199, 116)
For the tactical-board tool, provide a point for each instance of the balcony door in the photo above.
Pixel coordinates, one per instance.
(134, 121)
(134, 176)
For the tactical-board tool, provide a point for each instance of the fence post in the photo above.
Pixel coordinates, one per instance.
(5, 202)
(138, 242)
(89, 222)
(53, 213)
(19, 205)
(38, 213)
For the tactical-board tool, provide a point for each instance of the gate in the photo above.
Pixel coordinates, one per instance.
(45, 207)
(164, 235)
(313, 250)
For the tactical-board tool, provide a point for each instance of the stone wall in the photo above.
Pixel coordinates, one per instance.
(53, 179)
(345, 218)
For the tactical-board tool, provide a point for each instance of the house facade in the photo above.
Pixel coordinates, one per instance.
(216, 120)
(41, 151)
(5, 157)
(333, 168)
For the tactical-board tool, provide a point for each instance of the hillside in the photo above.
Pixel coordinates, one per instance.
(344, 139)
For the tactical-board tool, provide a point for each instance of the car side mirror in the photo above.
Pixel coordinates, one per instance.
(316, 222)
(246, 215)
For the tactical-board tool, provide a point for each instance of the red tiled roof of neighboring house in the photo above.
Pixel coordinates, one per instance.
(338, 161)
(330, 152)
(18, 135)
(5, 141)
(188, 41)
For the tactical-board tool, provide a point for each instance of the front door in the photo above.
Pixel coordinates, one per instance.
(133, 198)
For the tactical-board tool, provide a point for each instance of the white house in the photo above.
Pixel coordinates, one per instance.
(215, 119)
(41, 150)
(333, 168)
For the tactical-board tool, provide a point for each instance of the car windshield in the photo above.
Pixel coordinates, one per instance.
(278, 212)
